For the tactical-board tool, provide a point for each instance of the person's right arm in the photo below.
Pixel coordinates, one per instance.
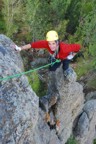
(26, 47)
(37, 44)
(40, 44)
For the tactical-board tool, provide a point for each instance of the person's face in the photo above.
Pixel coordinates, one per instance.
(53, 45)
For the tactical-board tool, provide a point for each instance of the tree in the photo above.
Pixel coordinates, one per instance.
(11, 11)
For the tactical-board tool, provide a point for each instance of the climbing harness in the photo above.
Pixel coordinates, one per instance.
(52, 57)
(32, 70)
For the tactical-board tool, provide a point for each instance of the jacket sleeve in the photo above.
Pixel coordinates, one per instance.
(72, 48)
(39, 44)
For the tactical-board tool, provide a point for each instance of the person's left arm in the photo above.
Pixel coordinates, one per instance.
(73, 48)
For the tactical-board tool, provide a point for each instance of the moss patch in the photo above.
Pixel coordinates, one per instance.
(37, 85)
(92, 83)
(72, 140)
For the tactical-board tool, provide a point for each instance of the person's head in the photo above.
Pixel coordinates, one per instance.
(53, 40)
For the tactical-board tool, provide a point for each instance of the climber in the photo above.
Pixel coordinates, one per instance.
(58, 50)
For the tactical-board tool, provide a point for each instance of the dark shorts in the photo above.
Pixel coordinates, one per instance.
(65, 65)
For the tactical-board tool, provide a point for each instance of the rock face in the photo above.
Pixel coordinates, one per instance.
(18, 102)
(86, 125)
(69, 105)
(22, 113)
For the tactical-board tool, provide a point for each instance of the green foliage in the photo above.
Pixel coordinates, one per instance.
(86, 35)
(34, 81)
(73, 14)
(57, 14)
(86, 30)
(73, 19)
(94, 142)
(83, 67)
(45, 16)
(36, 84)
(91, 83)
(58, 10)
(11, 11)
(2, 24)
(61, 29)
(31, 8)
(72, 140)
(87, 26)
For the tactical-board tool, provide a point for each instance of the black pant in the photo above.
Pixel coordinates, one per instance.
(56, 65)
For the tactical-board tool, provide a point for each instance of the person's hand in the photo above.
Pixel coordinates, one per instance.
(71, 55)
(17, 48)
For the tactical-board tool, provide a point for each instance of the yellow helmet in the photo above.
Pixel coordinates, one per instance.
(52, 36)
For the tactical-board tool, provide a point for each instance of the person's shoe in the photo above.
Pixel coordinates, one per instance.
(47, 117)
(70, 75)
(57, 125)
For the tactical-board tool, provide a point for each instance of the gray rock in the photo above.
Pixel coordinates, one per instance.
(91, 95)
(86, 130)
(18, 102)
(83, 125)
(69, 104)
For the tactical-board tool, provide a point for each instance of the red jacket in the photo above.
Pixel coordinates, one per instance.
(64, 51)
